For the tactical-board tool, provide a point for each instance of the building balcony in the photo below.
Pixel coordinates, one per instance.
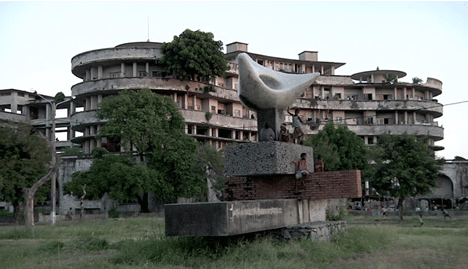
(219, 120)
(82, 119)
(8, 116)
(433, 131)
(113, 85)
(429, 107)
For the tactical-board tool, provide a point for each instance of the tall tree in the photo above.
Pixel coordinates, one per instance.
(404, 166)
(152, 125)
(25, 165)
(194, 55)
(340, 148)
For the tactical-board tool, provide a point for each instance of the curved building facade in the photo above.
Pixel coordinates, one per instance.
(369, 102)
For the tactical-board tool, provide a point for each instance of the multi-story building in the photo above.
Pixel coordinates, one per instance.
(368, 102)
(371, 103)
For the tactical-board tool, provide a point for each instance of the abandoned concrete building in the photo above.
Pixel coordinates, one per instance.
(370, 103)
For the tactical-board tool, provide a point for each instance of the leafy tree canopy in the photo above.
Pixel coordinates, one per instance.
(152, 124)
(404, 166)
(142, 119)
(341, 149)
(24, 158)
(194, 54)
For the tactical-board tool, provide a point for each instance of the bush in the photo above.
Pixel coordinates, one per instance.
(113, 213)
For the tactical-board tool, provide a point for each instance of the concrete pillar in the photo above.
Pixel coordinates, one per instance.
(210, 132)
(333, 70)
(99, 99)
(396, 117)
(122, 70)
(250, 136)
(72, 109)
(194, 129)
(184, 105)
(147, 69)
(186, 128)
(215, 132)
(88, 75)
(404, 94)
(321, 70)
(322, 92)
(395, 94)
(175, 97)
(194, 101)
(372, 78)
(233, 134)
(241, 135)
(313, 68)
(414, 117)
(406, 117)
(99, 73)
(413, 93)
(134, 69)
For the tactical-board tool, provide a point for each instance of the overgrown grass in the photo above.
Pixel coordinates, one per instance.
(371, 242)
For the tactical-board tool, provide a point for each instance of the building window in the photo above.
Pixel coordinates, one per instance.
(260, 62)
(142, 73)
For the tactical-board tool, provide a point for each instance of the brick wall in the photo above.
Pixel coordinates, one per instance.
(317, 186)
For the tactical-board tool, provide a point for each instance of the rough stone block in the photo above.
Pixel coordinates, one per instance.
(265, 158)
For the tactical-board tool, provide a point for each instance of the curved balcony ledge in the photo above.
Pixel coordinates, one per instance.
(110, 56)
(12, 117)
(169, 84)
(229, 122)
(430, 107)
(81, 119)
(435, 132)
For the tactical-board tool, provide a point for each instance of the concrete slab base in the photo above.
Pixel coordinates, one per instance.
(240, 217)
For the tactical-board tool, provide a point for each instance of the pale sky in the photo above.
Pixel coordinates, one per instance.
(423, 39)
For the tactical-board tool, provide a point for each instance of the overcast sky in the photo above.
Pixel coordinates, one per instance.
(423, 39)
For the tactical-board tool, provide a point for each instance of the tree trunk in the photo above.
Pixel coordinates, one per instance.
(81, 203)
(400, 208)
(30, 195)
(143, 201)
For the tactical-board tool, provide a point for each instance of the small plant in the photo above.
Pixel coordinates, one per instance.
(113, 213)
(208, 89)
(208, 115)
(73, 151)
(417, 80)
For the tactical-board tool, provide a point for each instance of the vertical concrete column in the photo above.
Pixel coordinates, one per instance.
(147, 69)
(210, 132)
(430, 95)
(303, 68)
(186, 128)
(194, 129)
(404, 94)
(366, 140)
(184, 105)
(333, 70)
(99, 72)
(321, 70)
(395, 94)
(374, 139)
(72, 109)
(122, 70)
(414, 117)
(194, 101)
(396, 117)
(215, 132)
(322, 92)
(88, 75)
(134, 69)
(99, 99)
(413, 93)
(406, 117)
(250, 136)
(241, 135)
(372, 78)
(313, 68)
(175, 97)
(233, 134)
(93, 102)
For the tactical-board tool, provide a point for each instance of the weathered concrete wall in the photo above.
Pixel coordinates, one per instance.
(239, 217)
(317, 186)
(457, 172)
(265, 158)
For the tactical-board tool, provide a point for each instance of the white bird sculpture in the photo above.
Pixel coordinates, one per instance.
(262, 88)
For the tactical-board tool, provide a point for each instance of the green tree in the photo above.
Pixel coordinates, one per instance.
(210, 165)
(194, 55)
(341, 149)
(404, 166)
(25, 166)
(152, 125)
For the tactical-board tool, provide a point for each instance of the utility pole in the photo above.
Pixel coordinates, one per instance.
(53, 191)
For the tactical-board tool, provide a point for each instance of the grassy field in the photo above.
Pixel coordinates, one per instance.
(372, 242)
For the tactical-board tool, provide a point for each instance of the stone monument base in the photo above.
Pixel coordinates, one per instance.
(240, 217)
(265, 158)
